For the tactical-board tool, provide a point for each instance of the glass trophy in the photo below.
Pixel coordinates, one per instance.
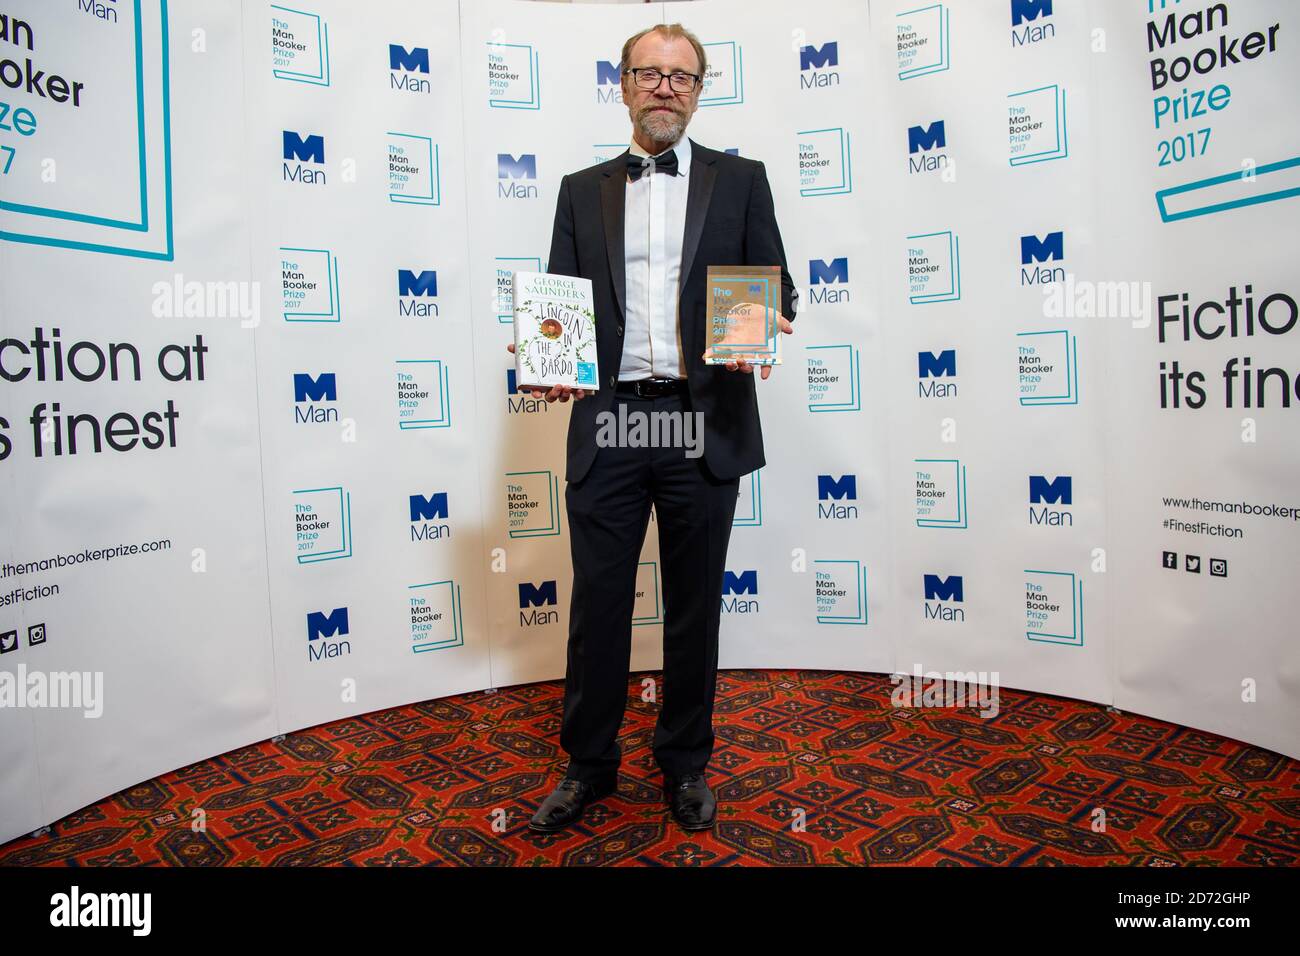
(744, 304)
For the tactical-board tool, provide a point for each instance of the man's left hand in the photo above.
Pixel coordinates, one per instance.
(740, 365)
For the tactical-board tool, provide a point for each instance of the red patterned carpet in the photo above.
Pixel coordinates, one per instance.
(421, 785)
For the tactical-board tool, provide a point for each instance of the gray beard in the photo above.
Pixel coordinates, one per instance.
(661, 128)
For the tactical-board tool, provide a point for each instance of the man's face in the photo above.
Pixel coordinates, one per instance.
(661, 114)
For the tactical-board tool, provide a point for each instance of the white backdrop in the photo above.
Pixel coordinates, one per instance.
(969, 465)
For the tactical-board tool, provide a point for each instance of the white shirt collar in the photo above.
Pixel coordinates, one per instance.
(682, 147)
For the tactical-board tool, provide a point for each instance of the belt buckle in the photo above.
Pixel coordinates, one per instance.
(651, 387)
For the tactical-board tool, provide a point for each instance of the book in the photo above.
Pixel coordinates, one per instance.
(555, 331)
(743, 305)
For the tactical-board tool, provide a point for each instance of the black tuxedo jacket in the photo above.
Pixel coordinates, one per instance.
(730, 221)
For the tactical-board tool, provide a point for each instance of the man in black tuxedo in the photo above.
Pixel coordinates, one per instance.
(644, 227)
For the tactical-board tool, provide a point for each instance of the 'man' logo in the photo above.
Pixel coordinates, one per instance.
(303, 149)
(735, 587)
(426, 515)
(815, 65)
(410, 285)
(332, 624)
(746, 582)
(1058, 491)
(412, 61)
(609, 88)
(321, 625)
(519, 403)
(1033, 249)
(926, 137)
(812, 57)
(1030, 16)
(1025, 10)
(943, 589)
(532, 597)
(429, 509)
(822, 273)
(404, 64)
(841, 488)
(923, 145)
(1043, 493)
(525, 167)
(307, 390)
(831, 491)
(930, 365)
(1051, 248)
(97, 9)
(322, 388)
(511, 170)
(299, 150)
(537, 595)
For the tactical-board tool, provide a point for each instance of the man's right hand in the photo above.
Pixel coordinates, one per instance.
(561, 392)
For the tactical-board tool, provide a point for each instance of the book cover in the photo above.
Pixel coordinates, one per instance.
(555, 331)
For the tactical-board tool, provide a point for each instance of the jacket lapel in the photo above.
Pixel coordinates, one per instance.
(613, 188)
(698, 194)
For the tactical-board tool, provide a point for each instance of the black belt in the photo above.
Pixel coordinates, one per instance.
(652, 387)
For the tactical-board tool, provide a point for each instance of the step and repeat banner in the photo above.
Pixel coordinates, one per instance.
(263, 459)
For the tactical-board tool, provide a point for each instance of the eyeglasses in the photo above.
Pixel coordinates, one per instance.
(647, 78)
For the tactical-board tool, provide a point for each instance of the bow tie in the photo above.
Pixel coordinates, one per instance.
(663, 163)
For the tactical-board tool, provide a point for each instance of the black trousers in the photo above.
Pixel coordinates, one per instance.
(609, 510)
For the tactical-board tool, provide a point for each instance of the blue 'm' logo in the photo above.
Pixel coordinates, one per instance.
(607, 73)
(819, 271)
(399, 58)
(746, 582)
(408, 283)
(930, 365)
(943, 589)
(536, 596)
(811, 57)
(309, 149)
(926, 137)
(525, 167)
(1033, 249)
(828, 487)
(333, 624)
(1058, 491)
(429, 509)
(1022, 10)
(320, 389)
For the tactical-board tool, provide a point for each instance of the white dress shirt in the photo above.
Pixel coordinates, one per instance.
(654, 224)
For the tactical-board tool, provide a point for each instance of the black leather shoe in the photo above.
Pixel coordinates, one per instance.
(565, 803)
(692, 802)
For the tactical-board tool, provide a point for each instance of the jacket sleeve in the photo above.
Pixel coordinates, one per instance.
(763, 246)
(563, 259)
